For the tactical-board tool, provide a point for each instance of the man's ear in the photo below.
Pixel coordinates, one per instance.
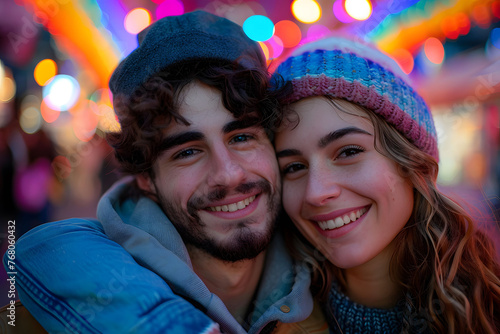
(145, 183)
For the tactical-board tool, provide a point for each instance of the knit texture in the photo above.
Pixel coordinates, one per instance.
(354, 318)
(363, 75)
(196, 35)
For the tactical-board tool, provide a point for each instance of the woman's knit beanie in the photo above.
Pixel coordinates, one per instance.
(360, 73)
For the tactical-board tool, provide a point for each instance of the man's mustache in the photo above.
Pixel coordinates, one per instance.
(201, 202)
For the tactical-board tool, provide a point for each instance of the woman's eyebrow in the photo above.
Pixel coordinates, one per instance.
(337, 134)
(288, 153)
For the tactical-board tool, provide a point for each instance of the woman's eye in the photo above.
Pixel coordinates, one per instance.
(241, 138)
(186, 153)
(293, 168)
(350, 151)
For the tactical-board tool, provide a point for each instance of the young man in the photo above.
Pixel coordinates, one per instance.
(187, 244)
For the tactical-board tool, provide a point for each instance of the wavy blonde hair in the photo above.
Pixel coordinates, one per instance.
(445, 265)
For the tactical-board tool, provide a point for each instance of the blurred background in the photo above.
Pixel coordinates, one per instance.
(56, 57)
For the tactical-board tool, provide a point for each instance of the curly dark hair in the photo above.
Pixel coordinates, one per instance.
(144, 115)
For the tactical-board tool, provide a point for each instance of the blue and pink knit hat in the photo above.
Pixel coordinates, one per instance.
(358, 72)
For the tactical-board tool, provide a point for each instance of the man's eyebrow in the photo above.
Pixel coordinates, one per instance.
(337, 134)
(288, 153)
(179, 139)
(238, 124)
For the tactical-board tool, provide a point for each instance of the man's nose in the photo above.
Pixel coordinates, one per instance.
(226, 169)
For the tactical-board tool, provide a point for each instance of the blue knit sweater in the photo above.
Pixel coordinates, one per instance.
(353, 318)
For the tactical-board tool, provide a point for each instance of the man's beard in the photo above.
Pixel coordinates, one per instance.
(243, 243)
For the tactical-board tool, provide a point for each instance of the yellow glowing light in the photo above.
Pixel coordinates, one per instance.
(265, 49)
(306, 11)
(44, 71)
(358, 9)
(136, 20)
(7, 89)
(30, 120)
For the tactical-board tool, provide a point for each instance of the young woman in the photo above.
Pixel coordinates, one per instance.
(357, 149)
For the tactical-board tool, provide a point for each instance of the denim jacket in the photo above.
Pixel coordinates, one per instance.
(129, 271)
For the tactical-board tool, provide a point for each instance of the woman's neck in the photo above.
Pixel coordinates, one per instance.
(371, 284)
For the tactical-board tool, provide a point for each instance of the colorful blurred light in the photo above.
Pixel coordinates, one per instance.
(44, 71)
(317, 31)
(7, 89)
(169, 8)
(449, 26)
(30, 120)
(276, 47)
(358, 9)
(136, 20)
(306, 11)
(49, 115)
(495, 9)
(481, 15)
(84, 124)
(495, 37)
(434, 50)
(288, 32)
(340, 13)
(404, 59)
(259, 28)
(61, 92)
(265, 49)
(463, 23)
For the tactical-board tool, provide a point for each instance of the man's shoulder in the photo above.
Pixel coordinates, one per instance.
(70, 225)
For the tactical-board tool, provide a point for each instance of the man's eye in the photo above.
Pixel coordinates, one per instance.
(241, 138)
(293, 168)
(186, 153)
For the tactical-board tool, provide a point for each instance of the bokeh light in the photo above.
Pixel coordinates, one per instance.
(463, 23)
(340, 13)
(495, 37)
(265, 49)
(288, 32)
(61, 92)
(258, 28)
(44, 71)
(495, 9)
(306, 11)
(30, 120)
(276, 47)
(404, 59)
(7, 89)
(434, 50)
(49, 115)
(481, 15)
(136, 20)
(317, 31)
(169, 8)
(449, 26)
(84, 123)
(358, 9)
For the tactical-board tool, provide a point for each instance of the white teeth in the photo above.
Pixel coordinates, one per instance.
(342, 220)
(234, 206)
(339, 222)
